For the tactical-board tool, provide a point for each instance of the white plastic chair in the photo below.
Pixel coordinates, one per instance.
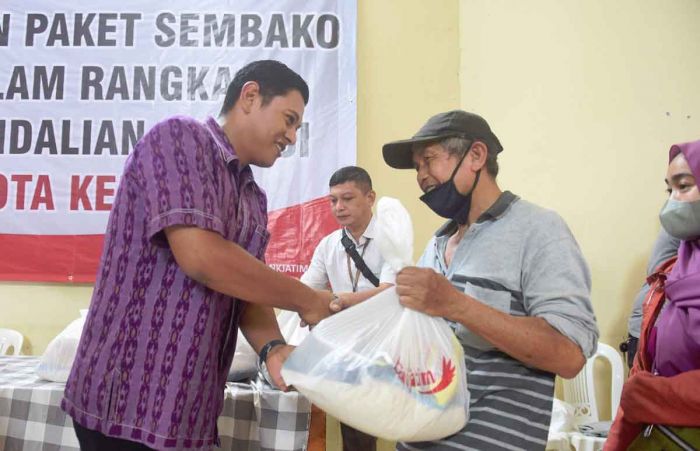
(580, 393)
(10, 338)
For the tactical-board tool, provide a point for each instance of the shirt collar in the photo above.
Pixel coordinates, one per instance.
(369, 231)
(368, 234)
(493, 213)
(228, 153)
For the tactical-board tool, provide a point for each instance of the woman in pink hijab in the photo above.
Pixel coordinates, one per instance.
(664, 385)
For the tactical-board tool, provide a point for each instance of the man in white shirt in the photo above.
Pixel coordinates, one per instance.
(332, 266)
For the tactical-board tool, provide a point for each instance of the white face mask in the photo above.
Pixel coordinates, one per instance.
(681, 219)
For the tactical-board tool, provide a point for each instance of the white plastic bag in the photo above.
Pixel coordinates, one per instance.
(562, 417)
(290, 326)
(245, 359)
(561, 426)
(394, 233)
(58, 358)
(381, 368)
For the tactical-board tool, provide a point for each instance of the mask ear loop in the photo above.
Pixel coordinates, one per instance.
(478, 173)
(460, 162)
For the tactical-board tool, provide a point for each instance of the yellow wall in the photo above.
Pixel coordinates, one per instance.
(586, 97)
(40, 311)
(408, 68)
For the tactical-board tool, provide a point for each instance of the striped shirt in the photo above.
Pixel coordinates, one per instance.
(156, 347)
(522, 260)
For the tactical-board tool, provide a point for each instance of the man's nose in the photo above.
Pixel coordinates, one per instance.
(291, 135)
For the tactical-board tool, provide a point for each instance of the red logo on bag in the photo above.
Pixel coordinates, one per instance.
(448, 374)
(427, 378)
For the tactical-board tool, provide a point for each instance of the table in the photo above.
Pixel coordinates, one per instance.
(582, 442)
(255, 417)
(558, 441)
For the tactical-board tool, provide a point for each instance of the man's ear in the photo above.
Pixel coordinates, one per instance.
(477, 155)
(372, 197)
(250, 93)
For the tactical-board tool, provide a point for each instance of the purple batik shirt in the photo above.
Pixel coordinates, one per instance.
(156, 347)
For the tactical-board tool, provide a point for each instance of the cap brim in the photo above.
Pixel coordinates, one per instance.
(399, 154)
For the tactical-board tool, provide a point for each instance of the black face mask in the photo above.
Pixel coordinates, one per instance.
(449, 203)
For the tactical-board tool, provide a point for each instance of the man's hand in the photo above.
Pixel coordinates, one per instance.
(321, 306)
(343, 301)
(424, 290)
(349, 299)
(275, 359)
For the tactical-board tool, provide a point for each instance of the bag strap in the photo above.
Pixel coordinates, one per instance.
(360, 264)
(651, 308)
(675, 438)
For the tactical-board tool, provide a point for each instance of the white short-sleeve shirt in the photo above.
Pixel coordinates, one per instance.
(329, 265)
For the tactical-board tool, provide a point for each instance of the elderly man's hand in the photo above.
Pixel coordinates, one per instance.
(426, 291)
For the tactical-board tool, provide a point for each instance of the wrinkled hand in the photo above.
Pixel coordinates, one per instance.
(275, 359)
(323, 306)
(424, 290)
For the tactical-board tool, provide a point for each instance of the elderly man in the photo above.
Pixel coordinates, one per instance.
(506, 274)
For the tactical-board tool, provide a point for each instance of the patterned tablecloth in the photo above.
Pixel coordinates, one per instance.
(255, 416)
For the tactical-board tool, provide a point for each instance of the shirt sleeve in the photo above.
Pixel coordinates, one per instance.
(664, 248)
(557, 287)
(316, 276)
(387, 274)
(175, 169)
(634, 324)
(427, 258)
(650, 399)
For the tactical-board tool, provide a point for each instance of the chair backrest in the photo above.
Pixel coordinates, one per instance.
(580, 391)
(10, 338)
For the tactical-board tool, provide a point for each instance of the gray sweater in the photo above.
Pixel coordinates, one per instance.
(665, 247)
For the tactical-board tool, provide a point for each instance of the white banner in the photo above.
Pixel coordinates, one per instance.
(81, 83)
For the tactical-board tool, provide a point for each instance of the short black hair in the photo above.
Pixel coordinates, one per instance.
(274, 78)
(352, 174)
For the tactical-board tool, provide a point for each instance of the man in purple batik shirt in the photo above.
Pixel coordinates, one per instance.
(182, 268)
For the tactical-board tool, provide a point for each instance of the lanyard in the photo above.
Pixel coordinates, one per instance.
(354, 280)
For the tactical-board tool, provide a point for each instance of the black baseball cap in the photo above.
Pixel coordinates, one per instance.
(455, 123)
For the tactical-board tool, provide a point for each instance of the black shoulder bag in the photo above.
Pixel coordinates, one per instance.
(357, 259)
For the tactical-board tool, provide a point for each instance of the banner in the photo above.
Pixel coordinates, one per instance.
(80, 84)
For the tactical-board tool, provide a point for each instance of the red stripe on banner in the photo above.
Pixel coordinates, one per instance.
(50, 258)
(295, 232)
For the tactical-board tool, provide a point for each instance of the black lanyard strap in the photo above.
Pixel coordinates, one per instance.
(360, 264)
